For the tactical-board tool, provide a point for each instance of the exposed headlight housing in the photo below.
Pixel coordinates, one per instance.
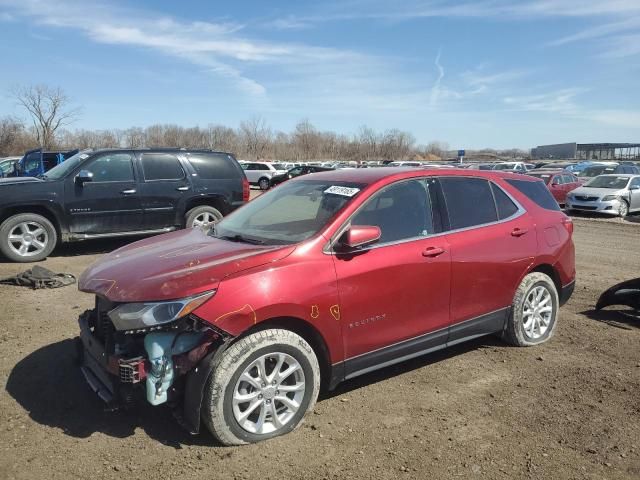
(609, 198)
(133, 316)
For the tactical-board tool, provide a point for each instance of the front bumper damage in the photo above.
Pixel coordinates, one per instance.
(168, 365)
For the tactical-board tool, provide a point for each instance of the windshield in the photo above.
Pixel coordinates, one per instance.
(293, 212)
(608, 181)
(503, 166)
(60, 171)
(595, 171)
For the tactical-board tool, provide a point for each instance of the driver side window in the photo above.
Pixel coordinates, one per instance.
(114, 167)
(402, 211)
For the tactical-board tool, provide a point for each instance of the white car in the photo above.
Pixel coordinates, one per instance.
(617, 194)
(517, 167)
(404, 164)
(260, 173)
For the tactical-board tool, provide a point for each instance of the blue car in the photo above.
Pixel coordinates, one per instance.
(37, 162)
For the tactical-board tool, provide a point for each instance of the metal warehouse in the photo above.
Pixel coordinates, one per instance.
(588, 151)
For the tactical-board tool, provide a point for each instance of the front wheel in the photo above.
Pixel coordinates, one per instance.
(261, 387)
(27, 237)
(623, 209)
(534, 311)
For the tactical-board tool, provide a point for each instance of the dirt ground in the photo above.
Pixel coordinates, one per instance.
(569, 409)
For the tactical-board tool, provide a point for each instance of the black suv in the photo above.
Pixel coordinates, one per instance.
(110, 193)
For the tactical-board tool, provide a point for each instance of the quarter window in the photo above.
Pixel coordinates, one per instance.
(402, 211)
(161, 166)
(115, 167)
(210, 166)
(469, 201)
(537, 192)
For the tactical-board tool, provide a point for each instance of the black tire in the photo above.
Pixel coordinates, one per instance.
(202, 211)
(264, 183)
(516, 332)
(35, 223)
(217, 407)
(623, 209)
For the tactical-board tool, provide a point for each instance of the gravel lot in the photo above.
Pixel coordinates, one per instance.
(568, 409)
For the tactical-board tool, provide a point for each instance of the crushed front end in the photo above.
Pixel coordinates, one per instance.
(137, 352)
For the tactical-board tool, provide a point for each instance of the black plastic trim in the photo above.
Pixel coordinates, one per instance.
(430, 342)
(566, 292)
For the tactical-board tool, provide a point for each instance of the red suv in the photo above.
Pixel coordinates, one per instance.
(327, 277)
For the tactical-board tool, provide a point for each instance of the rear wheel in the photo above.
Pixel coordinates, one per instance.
(27, 237)
(263, 183)
(202, 216)
(534, 311)
(261, 387)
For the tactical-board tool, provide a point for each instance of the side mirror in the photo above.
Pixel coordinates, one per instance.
(360, 236)
(83, 177)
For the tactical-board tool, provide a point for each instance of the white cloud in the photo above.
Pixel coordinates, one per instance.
(435, 90)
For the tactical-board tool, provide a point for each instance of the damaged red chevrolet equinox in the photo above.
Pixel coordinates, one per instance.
(324, 278)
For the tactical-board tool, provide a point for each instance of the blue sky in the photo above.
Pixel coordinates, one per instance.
(473, 73)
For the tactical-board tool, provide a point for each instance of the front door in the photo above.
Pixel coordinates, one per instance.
(110, 202)
(634, 193)
(163, 189)
(396, 291)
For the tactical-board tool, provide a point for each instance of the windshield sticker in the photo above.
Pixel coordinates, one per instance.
(83, 156)
(623, 179)
(344, 191)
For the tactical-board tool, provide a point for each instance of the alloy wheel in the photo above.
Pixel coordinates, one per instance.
(28, 239)
(537, 312)
(204, 219)
(268, 393)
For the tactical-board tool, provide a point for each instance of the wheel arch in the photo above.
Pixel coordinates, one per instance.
(42, 210)
(309, 333)
(214, 200)
(551, 272)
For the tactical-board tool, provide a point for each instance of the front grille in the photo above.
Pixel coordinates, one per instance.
(584, 207)
(586, 198)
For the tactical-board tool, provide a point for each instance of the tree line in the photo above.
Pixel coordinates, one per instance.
(50, 112)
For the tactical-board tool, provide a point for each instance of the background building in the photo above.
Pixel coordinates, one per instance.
(588, 151)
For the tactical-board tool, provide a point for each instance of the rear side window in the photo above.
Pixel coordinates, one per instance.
(161, 166)
(537, 192)
(210, 166)
(506, 207)
(469, 201)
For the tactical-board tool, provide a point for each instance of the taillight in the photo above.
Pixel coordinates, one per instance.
(568, 224)
(246, 190)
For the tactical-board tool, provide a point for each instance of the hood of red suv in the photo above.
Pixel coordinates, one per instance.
(174, 265)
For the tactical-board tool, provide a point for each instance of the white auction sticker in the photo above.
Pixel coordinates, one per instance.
(344, 191)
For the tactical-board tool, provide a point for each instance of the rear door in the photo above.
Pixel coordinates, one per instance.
(556, 187)
(398, 289)
(163, 189)
(110, 202)
(492, 241)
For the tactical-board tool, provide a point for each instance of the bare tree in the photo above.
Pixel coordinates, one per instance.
(49, 108)
(256, 136)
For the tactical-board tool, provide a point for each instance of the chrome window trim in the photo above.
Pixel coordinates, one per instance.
(328, 248)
